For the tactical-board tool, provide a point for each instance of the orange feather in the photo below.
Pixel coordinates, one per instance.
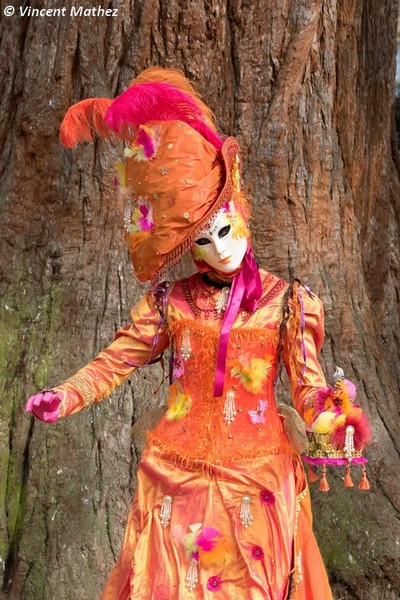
(85, 119)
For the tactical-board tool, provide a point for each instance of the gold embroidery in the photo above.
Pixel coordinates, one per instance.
(84, 388)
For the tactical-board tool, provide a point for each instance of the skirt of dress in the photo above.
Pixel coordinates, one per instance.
(276, 557)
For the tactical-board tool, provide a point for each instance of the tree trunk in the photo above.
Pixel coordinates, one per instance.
(308, 89)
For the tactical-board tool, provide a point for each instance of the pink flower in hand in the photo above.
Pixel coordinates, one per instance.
(214, 584)
(45, 406)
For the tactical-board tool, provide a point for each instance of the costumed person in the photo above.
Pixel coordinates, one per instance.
(222, 507)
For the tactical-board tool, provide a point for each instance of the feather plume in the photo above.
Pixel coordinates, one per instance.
(362, 431)
(83, 120)
(177, 79)
(157, 102)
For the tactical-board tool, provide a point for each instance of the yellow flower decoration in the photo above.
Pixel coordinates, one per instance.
(179, 403)
(235, 174)
(239, 227)
(252, 373)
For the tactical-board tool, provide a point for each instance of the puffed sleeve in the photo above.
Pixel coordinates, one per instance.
(303, 340)
(134, 346)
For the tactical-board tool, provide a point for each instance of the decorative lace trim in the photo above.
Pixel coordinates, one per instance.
(296, 575)
(213, 313)
(190, 460)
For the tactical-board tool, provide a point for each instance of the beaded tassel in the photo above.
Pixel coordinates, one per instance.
(192, 576)
(128, 216)
(166, 510)
(245, 514)
(186, 349)
(229, 407)
(349, 442)
(222, 301)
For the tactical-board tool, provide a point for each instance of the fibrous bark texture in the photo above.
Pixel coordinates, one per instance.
(308, 89)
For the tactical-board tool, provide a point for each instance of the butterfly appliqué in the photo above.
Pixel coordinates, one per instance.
(258, 416)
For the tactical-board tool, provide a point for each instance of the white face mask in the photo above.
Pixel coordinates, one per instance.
(223, 244)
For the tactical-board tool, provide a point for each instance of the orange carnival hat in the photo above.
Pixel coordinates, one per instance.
(177, 170)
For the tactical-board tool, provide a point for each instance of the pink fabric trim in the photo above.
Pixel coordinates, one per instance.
(334, 461)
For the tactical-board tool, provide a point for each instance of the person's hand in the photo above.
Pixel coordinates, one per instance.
(45, 406)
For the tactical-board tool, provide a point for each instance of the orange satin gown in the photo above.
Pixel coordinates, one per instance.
(208, 464)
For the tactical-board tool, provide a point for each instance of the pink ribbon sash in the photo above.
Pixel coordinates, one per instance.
(246, 291)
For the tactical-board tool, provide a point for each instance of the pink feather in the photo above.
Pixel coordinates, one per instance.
(205, 540)
(157, 102)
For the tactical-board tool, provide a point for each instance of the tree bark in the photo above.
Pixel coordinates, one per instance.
(308, 89)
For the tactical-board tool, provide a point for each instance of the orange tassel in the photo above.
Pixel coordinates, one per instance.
(348, 482)
(312, 476)
(364, 483)
(323, 484)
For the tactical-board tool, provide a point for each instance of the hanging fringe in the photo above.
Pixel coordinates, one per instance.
(364, 483)
(323, 484)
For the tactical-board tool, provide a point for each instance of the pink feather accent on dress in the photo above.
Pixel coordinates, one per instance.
(157, 102)
(205, 540)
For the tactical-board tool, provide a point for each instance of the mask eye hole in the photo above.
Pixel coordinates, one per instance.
(224, 231)
(202, 242)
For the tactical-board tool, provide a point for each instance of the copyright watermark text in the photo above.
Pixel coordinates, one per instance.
(63, 11)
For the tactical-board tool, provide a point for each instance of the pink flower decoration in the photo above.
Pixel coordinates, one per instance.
(195, 555)
(146, 220)
(145, 139)
(266, 497)
(321, 397)
(205, 540)
(178, 369)
(257, 552)
(214, 584)
(351, 389)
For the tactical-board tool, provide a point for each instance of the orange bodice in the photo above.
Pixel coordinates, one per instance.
(195, 426)
(205, 432)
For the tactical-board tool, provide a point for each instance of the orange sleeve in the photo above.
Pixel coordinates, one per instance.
(300, 351)
(134, 345)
